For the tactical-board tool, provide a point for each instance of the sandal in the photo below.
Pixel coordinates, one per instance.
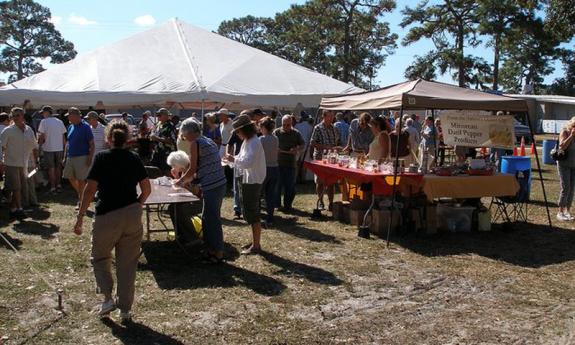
(251, 251)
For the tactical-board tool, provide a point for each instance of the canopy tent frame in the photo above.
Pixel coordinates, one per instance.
(422, 94)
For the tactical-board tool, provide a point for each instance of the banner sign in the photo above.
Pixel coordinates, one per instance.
(478, 130)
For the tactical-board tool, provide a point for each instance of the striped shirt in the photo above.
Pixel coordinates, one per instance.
(210, 170)
(99, 138)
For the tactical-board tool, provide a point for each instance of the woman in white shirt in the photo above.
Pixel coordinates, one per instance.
(251, 163)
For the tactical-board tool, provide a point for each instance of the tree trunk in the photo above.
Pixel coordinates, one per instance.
(461, 56)
(347, 43)
(496, 49)
(20, 72)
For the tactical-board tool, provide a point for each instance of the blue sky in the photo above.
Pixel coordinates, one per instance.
(91, 24)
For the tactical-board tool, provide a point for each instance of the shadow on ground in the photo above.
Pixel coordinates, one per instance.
(525, 245)
(138, 334)
(16, 243)
(311, 273)
(30, 227)
(291, 227)
(174, 269)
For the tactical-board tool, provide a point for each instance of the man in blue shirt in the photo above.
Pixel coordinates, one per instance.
(342, 127)
(79, 151)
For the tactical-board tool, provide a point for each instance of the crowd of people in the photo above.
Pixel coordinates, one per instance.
(258, 155)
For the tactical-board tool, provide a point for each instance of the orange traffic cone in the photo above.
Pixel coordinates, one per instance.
(532, 148)
(522, 147)
(514, 151)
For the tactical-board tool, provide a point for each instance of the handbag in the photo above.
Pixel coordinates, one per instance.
(557, 154)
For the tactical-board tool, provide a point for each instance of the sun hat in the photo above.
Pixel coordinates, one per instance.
(91, 115)
(223, 111)
(162, 111)
(240, 122)
(47, 108)
(73, 111)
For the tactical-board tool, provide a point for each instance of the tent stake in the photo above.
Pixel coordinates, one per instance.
(395, 169)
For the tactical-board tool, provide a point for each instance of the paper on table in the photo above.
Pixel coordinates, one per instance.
(180, 194)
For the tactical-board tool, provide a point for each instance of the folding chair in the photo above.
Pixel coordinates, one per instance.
(514, 208)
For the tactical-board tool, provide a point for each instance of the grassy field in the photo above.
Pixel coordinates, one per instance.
(317, 283)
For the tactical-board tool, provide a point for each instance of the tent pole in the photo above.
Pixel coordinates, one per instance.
(202, 121)
(395, 170)
(436, 149)
(539, 169)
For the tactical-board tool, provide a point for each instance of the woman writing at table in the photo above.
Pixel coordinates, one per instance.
(379, 147)
(114, 174)
(206, 166)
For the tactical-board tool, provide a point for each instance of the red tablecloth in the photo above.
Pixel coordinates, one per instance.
(382, 183)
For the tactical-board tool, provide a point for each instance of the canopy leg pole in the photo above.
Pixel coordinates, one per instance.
(395, 170)
(436, 149)
(202, 113)
(539, 169)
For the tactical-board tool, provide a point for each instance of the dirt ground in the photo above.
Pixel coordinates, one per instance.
(317, 283)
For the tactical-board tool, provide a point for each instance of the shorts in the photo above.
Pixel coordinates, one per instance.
(250, 194)
(53, 159)
(15, 178)
(76, 168)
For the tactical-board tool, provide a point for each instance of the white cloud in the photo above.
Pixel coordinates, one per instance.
(145, 20)
(79, 20)
(56, 20)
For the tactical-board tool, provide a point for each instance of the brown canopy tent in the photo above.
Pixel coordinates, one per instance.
(423, 94)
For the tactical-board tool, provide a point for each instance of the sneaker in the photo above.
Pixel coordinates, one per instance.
(107, 307)
(562, 217)
(77, 207)
(53, 190)
(237, 216)
(568, 215)
(125, 317)
(17, 214)
(321, 205)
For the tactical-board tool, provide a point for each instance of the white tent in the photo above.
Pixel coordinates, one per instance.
(174, 63)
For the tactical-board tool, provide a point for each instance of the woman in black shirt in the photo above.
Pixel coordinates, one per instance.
(117, 225)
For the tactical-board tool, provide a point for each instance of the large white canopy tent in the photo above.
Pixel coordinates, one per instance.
(174, 63)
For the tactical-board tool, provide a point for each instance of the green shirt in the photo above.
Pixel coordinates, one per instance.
(287, 141)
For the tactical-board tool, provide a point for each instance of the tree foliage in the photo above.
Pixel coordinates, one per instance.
(566, 84)
(26, 35)
(560, 18)
(528, 54)
(451, 25)
(346, 39)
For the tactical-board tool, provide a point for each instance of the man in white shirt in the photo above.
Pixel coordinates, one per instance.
(225, 127)
(17, 143)
(52, 138)
(98, 130)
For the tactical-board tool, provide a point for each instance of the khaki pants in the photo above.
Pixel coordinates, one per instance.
(121, 230)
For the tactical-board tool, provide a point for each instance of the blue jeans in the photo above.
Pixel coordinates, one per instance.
(237, 199)
(270, 186)
(211, 218)
(287, 184)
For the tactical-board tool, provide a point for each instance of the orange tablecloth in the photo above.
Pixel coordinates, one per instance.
(465, 186)
(382, 183)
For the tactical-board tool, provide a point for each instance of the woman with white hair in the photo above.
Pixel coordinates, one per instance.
(206, 166)
(185, 230)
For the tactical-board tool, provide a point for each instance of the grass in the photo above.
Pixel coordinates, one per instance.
(318, 284)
